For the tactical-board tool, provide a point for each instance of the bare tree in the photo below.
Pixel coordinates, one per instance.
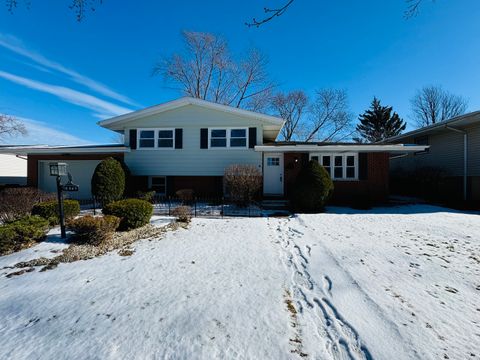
(432, 104)
(206, 70)
(331, 119)
(9, 126)
(79, 6)
(291, 107)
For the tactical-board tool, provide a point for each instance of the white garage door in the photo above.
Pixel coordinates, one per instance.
(81, 170)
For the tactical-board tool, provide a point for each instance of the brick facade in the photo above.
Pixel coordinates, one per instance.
(373, 187)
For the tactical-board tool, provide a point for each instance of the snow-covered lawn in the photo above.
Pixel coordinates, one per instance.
(391, 283)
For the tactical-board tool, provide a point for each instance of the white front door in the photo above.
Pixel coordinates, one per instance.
(273, 174)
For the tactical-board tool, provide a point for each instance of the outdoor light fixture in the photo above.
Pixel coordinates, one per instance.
(58, 170)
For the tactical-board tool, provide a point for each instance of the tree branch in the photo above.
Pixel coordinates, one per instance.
(270, 14)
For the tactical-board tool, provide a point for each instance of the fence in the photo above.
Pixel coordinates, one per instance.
(214, 207)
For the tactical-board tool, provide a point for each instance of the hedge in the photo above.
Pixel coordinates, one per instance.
(93, 230)
(19, 233)
(108, 181)
(133, 213)
(49, 210)
(313, 188)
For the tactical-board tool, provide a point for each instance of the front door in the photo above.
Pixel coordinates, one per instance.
(273, 174)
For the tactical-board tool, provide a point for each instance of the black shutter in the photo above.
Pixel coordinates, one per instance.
(363, 166)
(252, 137)
(133, 139)
(178, 138)
(203, 138)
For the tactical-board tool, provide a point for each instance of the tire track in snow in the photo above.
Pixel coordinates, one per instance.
(338, 338)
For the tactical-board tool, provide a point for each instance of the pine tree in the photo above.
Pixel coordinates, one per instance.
(379, 123)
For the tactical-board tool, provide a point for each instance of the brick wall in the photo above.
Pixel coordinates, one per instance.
(374, 186)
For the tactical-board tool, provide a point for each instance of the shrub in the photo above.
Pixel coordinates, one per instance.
(242, 183)
(183, 213)
(313, 187)
(108, 181)
(133, 213)
(145, 195)
(19, 233)
(49, 210)
(185, 195)
(16, 203)
(93, 230)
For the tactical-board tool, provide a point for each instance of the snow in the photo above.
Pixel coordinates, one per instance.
(391, 283)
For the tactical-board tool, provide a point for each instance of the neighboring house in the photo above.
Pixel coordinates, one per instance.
(13, 170)
(188, 143)
(454, 147)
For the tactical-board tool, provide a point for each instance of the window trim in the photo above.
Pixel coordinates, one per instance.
(344, 164)
(228, 137)
(150, 183)
(155, 139)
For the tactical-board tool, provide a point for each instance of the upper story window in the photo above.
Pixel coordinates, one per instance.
(228, 138)
(339, 166)
(156, 138)
(165, 138)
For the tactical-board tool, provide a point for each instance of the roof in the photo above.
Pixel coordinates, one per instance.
(113, 123)
(338, 147)
(63, 149)
(458, 121)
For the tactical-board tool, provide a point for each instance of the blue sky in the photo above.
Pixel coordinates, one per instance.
(61, 76)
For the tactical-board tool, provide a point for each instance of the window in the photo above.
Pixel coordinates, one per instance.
(159, 184)
(350, 167)
(273, 161)
(327, 164)
(156, 138)
(228, 138)
(422, 140)
(238, 137)
(147, 139)
(218, 138)
(165, 139)
(339, 166)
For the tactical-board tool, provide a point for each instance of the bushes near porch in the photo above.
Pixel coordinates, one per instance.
(242, 183)
(313, 187)
(49, 210)
(133, 213)
(20, 233)
(93, 230)
(108, 181)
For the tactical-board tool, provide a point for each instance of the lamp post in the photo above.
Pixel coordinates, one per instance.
(59, 170)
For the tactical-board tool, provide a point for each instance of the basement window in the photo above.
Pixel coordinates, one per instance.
(159, 184)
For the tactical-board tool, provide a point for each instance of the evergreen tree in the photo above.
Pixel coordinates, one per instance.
(379, 123)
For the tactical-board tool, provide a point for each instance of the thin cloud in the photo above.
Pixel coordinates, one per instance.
(69, 95)
(40, 133)
(15, 45)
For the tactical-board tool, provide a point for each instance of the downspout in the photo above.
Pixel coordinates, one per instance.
(465, 158)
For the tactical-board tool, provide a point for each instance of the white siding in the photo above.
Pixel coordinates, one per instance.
(191, 160)
(474, 150)
(13, 170)
(81, 170)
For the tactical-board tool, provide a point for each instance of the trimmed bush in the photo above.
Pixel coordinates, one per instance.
(243, 183)
(17, 234)
(16, 203)
(313, 188)
(133, 213)
(108, 181)
(93, 230)
(49, 210)
(183, 213)
(185, 195)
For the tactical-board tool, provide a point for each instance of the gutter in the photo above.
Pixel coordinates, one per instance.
(465, 157)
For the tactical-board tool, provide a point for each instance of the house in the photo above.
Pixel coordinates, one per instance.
(454, 148)
(188, 143)
(13, 170)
